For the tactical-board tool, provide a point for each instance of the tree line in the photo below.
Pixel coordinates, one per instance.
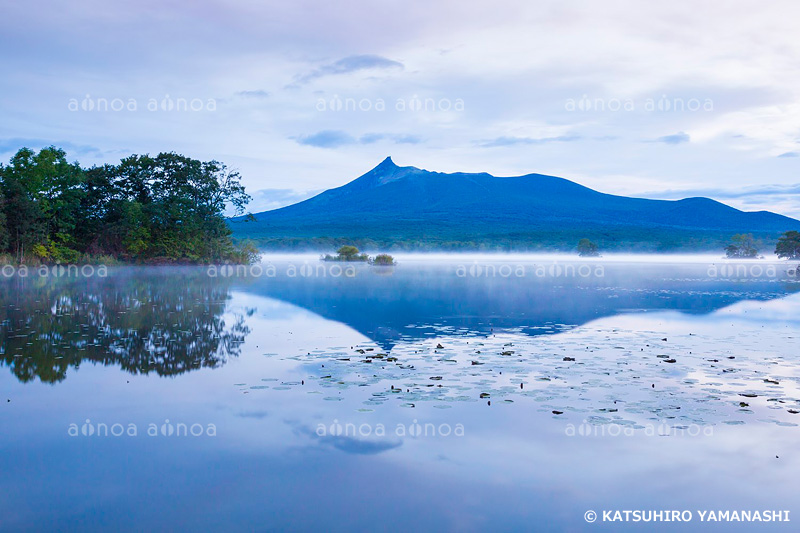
(167, 208)
(744, 246)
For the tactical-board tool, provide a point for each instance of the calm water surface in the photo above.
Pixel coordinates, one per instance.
(448, 394)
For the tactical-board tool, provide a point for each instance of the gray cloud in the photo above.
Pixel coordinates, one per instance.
(370, 138)
(512, 141)
(350, 64)
(269, 199)
(677, 138)
(778, 198)
(762, 190)
(337, 138)
(326, 139)
(10, 146)
(254, 94)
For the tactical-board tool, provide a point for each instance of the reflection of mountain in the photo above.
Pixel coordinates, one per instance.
(383, 306)
(163, 321)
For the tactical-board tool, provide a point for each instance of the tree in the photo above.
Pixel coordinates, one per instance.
(347, 253)
(587, 248)
(42, 193)
(742, 246)
(3, 228)
(788, 245)
(97, 207)
(168, 207)
(184, 201)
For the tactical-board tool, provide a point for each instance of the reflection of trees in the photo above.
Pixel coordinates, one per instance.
(162, 321)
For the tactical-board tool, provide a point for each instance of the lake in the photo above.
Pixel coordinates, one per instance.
(449, 392)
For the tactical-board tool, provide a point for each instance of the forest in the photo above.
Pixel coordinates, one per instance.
(155, 210)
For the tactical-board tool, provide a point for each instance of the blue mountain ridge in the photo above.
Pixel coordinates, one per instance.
(407, 207)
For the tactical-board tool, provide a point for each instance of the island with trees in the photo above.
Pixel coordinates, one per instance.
(349, 253)
(742, 246)
(164, 209)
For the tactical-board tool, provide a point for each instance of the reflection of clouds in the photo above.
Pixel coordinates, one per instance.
(785, 309)
(358, 446)
(260, 415)
(779, 310)
(350, 444)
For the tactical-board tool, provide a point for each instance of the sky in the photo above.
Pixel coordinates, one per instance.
(661, 100)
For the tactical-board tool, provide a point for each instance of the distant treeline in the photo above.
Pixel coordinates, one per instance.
(564, 240)
(163, 209)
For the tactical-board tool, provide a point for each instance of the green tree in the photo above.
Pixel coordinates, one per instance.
(184, 201)
(42, 193)
(3, 228)
(587, 248)
(743, 246)
(167, 207)
(97, 210)
(788, 245)
(347, 253)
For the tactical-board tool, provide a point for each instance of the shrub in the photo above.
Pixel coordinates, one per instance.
(383, 260)
(587, 248)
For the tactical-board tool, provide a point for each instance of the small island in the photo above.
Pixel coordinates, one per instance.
(743, 246)
(349, 253)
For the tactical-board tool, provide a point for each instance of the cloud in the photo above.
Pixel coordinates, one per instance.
(350, 64)
(777, 198)
(789, 154)
(512, 141)
(253, 94)
(337, 138)
(514, 67)
(370, 138)
(677, 138)
(761, 190)
(327, 139)
(269, 199)
(10, 146)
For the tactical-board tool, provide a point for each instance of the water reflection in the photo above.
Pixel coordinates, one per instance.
(418, 300)
(169, 321)
(145, 321)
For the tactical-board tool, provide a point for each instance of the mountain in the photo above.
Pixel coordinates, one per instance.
(411, 208)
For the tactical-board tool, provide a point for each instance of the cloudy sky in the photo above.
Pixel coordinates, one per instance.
(663, 100)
